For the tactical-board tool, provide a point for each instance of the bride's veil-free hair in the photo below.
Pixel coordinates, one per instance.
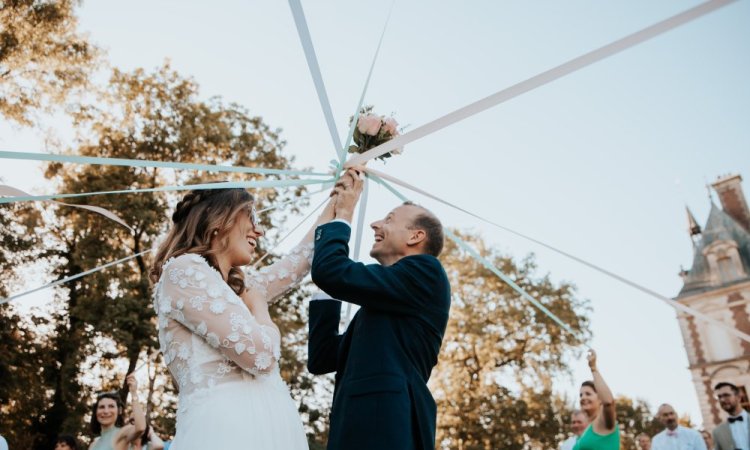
(200, 217)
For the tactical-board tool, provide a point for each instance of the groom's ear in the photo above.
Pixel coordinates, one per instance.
(416, 237)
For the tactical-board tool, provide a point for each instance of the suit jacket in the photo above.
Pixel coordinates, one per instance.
(723, 439)
(384, 359)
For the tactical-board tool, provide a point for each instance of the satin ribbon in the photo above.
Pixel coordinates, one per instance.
(355, 116)
(188, 187)
(10, 190)
(76, 159)
(255, 264)
(128, 258)
(76, 276)
(673, 303)
(492, 268)
(540, 80)
(312, 63)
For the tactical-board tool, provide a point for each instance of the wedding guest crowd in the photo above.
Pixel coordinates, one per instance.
(597, 428)
(674, 435)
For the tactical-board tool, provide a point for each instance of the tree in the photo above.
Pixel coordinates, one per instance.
(43, 58)
(22, 353)
(493, 382)
(105, 320)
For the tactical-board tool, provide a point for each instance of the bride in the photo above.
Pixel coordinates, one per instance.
(215, 332)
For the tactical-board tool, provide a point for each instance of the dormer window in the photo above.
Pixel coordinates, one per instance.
(724, 262)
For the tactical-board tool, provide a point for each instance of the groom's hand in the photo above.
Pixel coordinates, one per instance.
(348, 189)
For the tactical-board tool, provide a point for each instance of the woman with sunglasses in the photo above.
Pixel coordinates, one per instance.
(108, 421)
(215, 331)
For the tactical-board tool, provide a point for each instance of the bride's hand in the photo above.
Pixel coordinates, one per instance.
(328, 212)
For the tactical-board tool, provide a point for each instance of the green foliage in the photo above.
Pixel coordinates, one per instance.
(103, 324)
(43, 58)
(493, 382)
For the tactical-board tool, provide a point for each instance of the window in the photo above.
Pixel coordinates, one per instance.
(726, 269)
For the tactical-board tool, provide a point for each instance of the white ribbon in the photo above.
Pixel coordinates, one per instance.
(540, 80)
(312, 64)
(674, 304)
(76, 276)
(14, 192)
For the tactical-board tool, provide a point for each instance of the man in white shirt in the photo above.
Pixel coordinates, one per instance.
(675, 436)
(578, 423)
(734, 433)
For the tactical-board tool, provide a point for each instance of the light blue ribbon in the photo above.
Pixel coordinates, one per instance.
(128, 258)
(491, 267)
(312, 63)
(189, 187)
(76, 276)
(77, 159)
(355, 116)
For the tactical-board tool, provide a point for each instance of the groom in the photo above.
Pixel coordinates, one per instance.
(385, 357)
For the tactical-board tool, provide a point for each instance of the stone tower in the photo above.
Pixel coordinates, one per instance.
(718, 284)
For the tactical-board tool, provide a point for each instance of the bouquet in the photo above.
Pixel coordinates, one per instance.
(373, 130)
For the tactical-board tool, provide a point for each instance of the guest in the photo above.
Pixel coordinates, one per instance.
(643, 441)
(708, 439)
(108, 422)
(675, 436)
(66, 442)
(148, 441)
(732, 434)
(578, 422)
(599, 405)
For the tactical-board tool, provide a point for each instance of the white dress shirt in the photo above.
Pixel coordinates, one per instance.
(739, 432)
(681, 438)
(569, 443)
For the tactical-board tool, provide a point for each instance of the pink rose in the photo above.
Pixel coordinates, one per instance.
(390, 126)
(369, 124)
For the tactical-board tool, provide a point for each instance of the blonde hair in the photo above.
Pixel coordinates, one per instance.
(201, 216)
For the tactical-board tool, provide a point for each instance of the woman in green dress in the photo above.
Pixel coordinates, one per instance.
(597, 402)
(108, 421)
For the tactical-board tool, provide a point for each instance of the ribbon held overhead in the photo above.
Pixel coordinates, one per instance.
(96, 160)
(17, 193)
(540, 79)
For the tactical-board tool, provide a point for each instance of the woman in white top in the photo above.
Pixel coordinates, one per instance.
(215, 331)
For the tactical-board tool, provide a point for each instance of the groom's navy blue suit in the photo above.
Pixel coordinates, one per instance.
(385, 357)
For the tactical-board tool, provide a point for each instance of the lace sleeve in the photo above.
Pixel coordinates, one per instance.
(274, 280)
(195, 295)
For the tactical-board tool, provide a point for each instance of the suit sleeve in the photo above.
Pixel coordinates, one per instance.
(403, 287)
(324, 341)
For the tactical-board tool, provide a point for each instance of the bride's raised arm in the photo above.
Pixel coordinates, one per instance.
(272, 281)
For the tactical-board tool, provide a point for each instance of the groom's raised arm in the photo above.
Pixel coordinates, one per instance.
(404, 287)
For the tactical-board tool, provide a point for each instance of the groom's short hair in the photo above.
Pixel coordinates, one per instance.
(432, 227)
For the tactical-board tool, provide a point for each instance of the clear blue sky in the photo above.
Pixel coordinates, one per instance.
(600, 163)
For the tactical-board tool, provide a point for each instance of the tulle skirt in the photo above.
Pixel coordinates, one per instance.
(251, 414)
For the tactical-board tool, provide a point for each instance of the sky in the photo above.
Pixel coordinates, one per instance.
(600, 163)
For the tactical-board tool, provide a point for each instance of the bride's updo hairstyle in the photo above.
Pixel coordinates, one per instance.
(200, 217)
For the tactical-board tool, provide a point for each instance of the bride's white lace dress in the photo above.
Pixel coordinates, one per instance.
(224, 362)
